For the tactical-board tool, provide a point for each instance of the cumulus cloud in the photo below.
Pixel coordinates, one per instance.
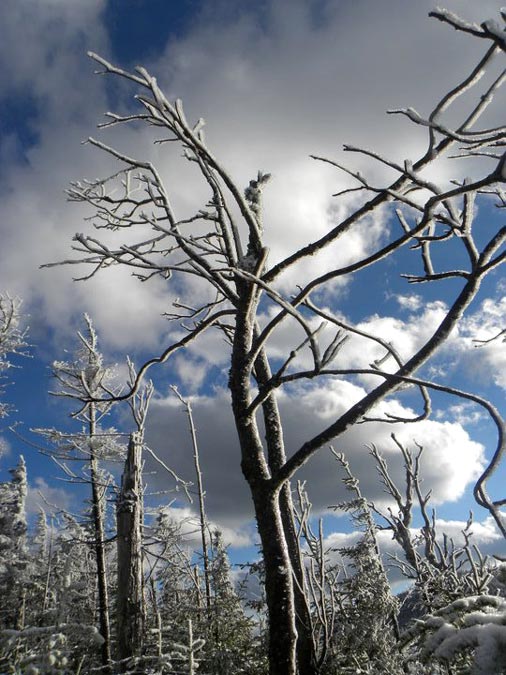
(482, 336)
(464, 413)
(44, 45)
(276, 85)
(450, 462)
(483, 534)
(50, 499)
(187, 522)
(411, 302)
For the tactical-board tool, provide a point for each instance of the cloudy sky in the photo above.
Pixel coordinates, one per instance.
(276, 81)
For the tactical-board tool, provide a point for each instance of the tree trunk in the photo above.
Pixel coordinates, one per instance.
(99, 545)
(200, 494)
(103, 596)
(257, 470)
(278, 584)
(129, 514)
(306, 650)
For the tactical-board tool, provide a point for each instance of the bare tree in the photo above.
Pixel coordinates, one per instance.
(129, 516)
(222, 246)
(204, 526)
(130, 605)
(442, 569)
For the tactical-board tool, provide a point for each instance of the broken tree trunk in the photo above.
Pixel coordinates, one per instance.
(129, 516)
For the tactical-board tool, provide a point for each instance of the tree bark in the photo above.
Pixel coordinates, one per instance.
(99, 545)
(129, 514)
(278, 583)
(306, 649)
(278, 574)
(103, 596)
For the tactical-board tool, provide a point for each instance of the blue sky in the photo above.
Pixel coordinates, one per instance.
(275, 83)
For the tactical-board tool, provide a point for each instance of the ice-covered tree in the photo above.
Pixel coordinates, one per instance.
(223, 248)
(13, 548)
(130, 518)
(442, 569)
(48, 606)
(230, 643)
(80, 379)
(366, 629)
(12, 340)
(466, 637)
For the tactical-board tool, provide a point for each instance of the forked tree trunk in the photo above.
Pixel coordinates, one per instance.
(278, 584)
(256, 468)
(278, 572)
(129, 515)
(305, 649)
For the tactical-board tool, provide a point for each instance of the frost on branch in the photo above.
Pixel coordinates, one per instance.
(240, 297)
(13, 522)
(12, 338)
(470, 630)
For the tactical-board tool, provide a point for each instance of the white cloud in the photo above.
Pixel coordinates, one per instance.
(45, 44)
(272, 94)
(451, 459)
(411, 303)
(40, 495)
(190, 371)
(483, 534)
(485, 361)
(188, 523)
(406, 336)
(464, 413)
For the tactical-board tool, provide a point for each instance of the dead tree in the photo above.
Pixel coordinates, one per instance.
(442, 569)
(130, 605)
(129, 517)
(204, 526)
(223, 246)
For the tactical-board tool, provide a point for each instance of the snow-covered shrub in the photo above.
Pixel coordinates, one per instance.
(47, 650)
(469, 634)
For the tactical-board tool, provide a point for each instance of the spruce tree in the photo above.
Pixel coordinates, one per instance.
(367, 633)
(13, 548)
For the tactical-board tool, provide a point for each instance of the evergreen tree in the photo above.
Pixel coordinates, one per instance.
(12, 339)
(47, 583)
(13, 548)
(82, 380)
(367, 633)
(230, 645)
